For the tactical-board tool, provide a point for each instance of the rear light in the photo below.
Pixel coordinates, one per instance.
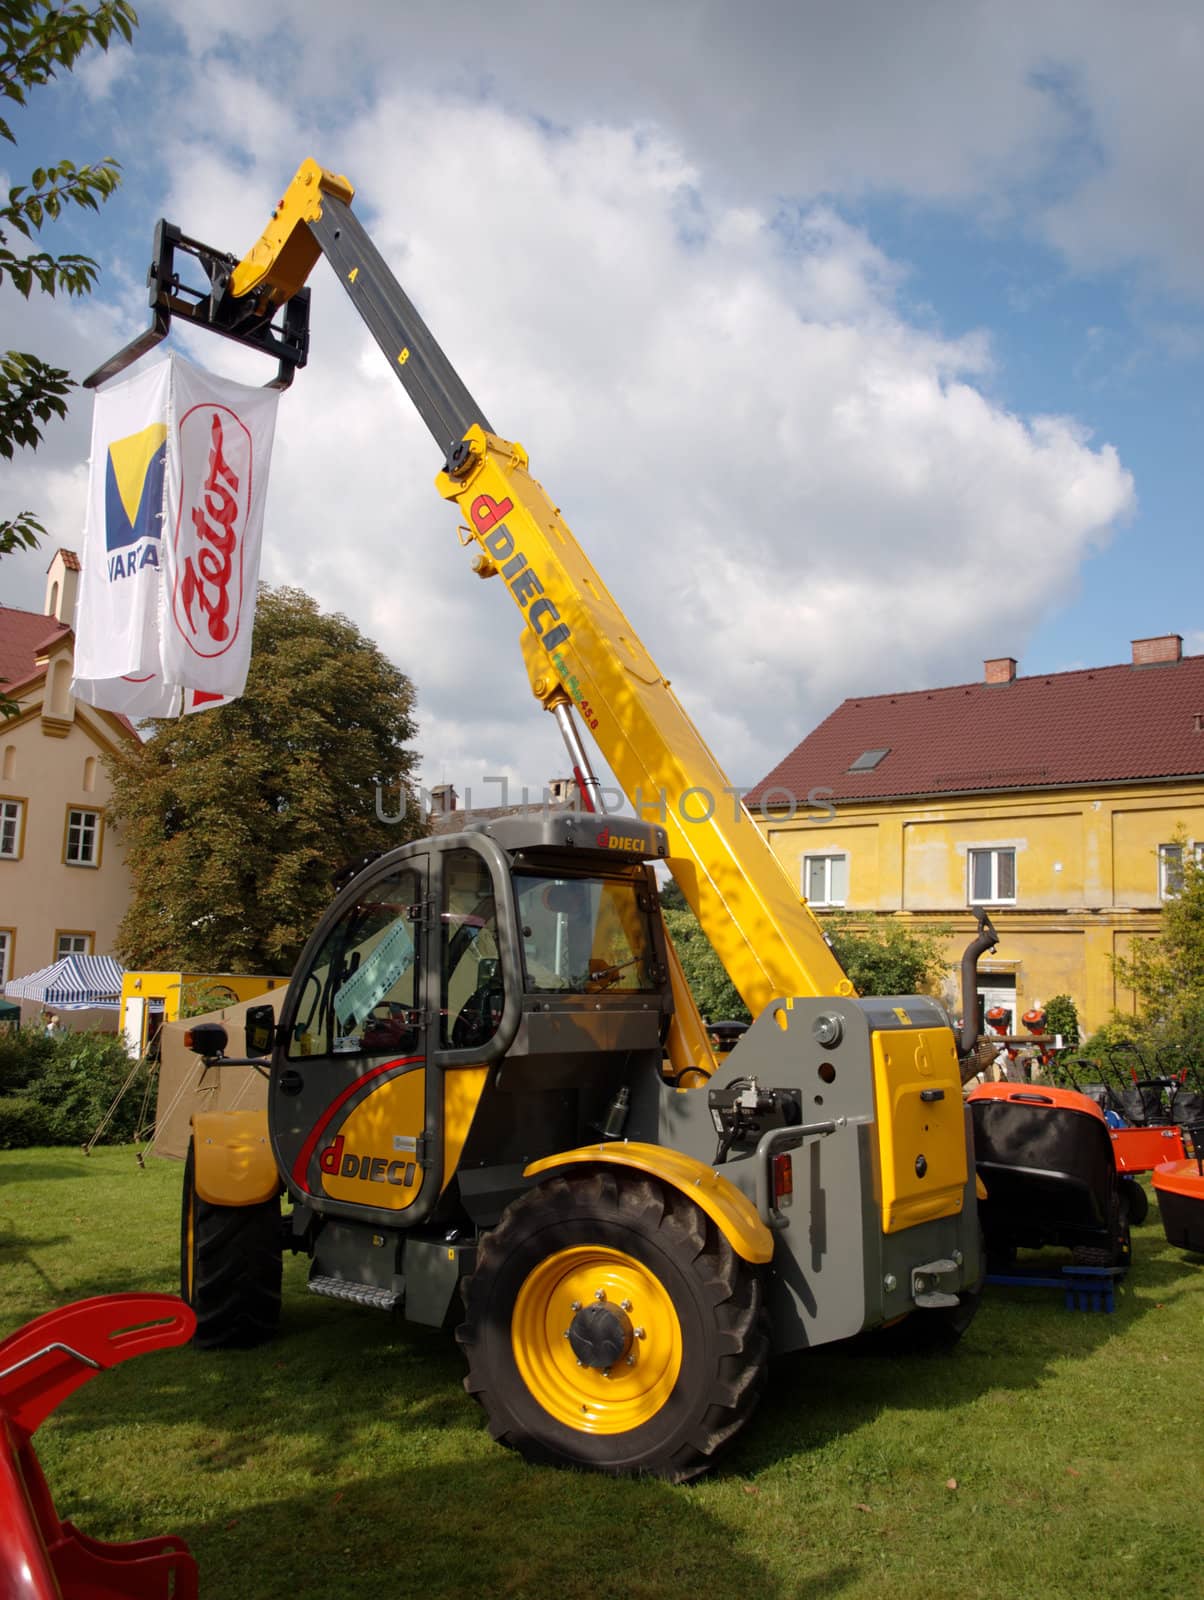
(783, 1181)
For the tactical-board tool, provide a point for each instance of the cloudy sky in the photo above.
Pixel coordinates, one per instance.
(858, 341)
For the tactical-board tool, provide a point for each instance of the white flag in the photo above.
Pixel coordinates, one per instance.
(172, 538)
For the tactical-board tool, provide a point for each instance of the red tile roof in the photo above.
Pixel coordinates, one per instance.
(23, 637)
(70, 560)
(1097, 725)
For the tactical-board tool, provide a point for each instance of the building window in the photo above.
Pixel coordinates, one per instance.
(826, 879)
(72, 944)
(8, 938)
(992, 876)
(1170, 868)
(12, 817)
(83, 838)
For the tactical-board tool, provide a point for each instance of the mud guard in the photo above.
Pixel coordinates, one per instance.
(234, 1161)
(732, 1212)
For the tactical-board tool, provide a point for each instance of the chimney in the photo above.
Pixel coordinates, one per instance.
(62, 582)
(443, 800)
(1157, 652)
(1001, 670)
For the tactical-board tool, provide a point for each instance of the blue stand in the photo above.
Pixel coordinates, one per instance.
(1084, 1288)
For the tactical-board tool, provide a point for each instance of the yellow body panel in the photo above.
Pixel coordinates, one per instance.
(767, 939)
(285, 254)
(372, 1159)
(732, 1212)
(462, 1090)
(234, 1161)
(921, 1144)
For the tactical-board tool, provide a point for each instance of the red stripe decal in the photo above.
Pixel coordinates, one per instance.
(332, 1110)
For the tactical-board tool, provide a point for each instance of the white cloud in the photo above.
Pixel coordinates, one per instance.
(794, 494)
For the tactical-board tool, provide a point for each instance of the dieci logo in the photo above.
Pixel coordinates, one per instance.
(215, 497)
(606, 840)
(337, 1163)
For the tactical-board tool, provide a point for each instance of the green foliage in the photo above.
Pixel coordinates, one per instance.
(1062, 1016)
(234, 819)
(1166, 975)
(38, 39)
(884, 956)
(55, 1088)
(715, 995)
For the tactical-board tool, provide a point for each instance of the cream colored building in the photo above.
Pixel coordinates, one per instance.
(64, 885)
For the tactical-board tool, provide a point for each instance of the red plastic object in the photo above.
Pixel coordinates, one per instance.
(1035, 1094)
(41, 1557)
(1143, 1149)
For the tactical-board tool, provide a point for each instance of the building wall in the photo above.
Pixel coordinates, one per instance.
(1086, 867)
(52, 763)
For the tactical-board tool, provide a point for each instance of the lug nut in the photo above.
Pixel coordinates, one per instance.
(576, 1306)
(638, 1332)
(631, 1361)
(624, 1305)
(599, 1294)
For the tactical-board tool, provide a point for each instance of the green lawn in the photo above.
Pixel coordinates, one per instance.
(1056, 1454)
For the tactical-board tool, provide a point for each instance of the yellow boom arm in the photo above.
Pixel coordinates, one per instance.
(580, 648)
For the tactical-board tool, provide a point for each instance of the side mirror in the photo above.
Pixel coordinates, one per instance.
(261, 1030)
(207, 1039)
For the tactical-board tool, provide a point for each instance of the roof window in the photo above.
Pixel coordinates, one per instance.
(869, 759)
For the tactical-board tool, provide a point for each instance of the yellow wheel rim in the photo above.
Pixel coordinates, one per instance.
(582, 1397)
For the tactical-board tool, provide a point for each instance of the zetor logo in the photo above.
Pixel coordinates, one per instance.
(337, 1163)
(215, 498)
(606, 840)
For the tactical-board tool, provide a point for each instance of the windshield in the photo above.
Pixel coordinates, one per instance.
(584, 935)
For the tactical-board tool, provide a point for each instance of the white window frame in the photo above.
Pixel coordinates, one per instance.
(827, 857)
(71, 936)
(8, 939)
(12, 821)
(993, 898)
(97, 830)
(1166, 889)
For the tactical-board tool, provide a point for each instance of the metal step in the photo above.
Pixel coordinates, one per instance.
(360, 1294)
(925, 1285)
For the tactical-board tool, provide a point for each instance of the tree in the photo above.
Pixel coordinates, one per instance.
(715, 995)
(884, 956)
(1166, 974)
(234, 819)
(37, 39)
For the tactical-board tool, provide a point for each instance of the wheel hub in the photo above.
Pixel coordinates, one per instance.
(600, 1335)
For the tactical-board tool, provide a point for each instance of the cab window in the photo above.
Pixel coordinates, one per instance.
(584, 935)
(471, 990)
(360, 995)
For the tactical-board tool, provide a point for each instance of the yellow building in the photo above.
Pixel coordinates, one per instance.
(64, 885)
(149, 999)
(1056, 801)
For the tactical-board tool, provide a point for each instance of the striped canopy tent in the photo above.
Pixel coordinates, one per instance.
(73, 983)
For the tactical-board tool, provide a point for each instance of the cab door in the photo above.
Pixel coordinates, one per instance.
(347, 1102)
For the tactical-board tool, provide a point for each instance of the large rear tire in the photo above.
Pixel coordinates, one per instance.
(230, 1268)
(609, 1324)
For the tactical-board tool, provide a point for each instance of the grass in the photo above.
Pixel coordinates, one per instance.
(346, 1459)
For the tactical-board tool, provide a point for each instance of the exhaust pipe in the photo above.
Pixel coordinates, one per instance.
(987, 940)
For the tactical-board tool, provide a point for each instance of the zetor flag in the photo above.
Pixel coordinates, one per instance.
(172, 535)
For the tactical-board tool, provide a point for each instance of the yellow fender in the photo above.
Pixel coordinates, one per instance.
(234, 1165)
(732, 1212)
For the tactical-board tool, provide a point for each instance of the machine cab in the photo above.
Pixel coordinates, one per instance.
(516, 965)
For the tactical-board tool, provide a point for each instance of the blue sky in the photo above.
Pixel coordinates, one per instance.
(857, 342)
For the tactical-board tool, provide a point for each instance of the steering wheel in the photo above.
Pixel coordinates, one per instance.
(479, 1016)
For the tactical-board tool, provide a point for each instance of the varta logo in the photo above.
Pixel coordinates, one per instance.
(134, 500)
